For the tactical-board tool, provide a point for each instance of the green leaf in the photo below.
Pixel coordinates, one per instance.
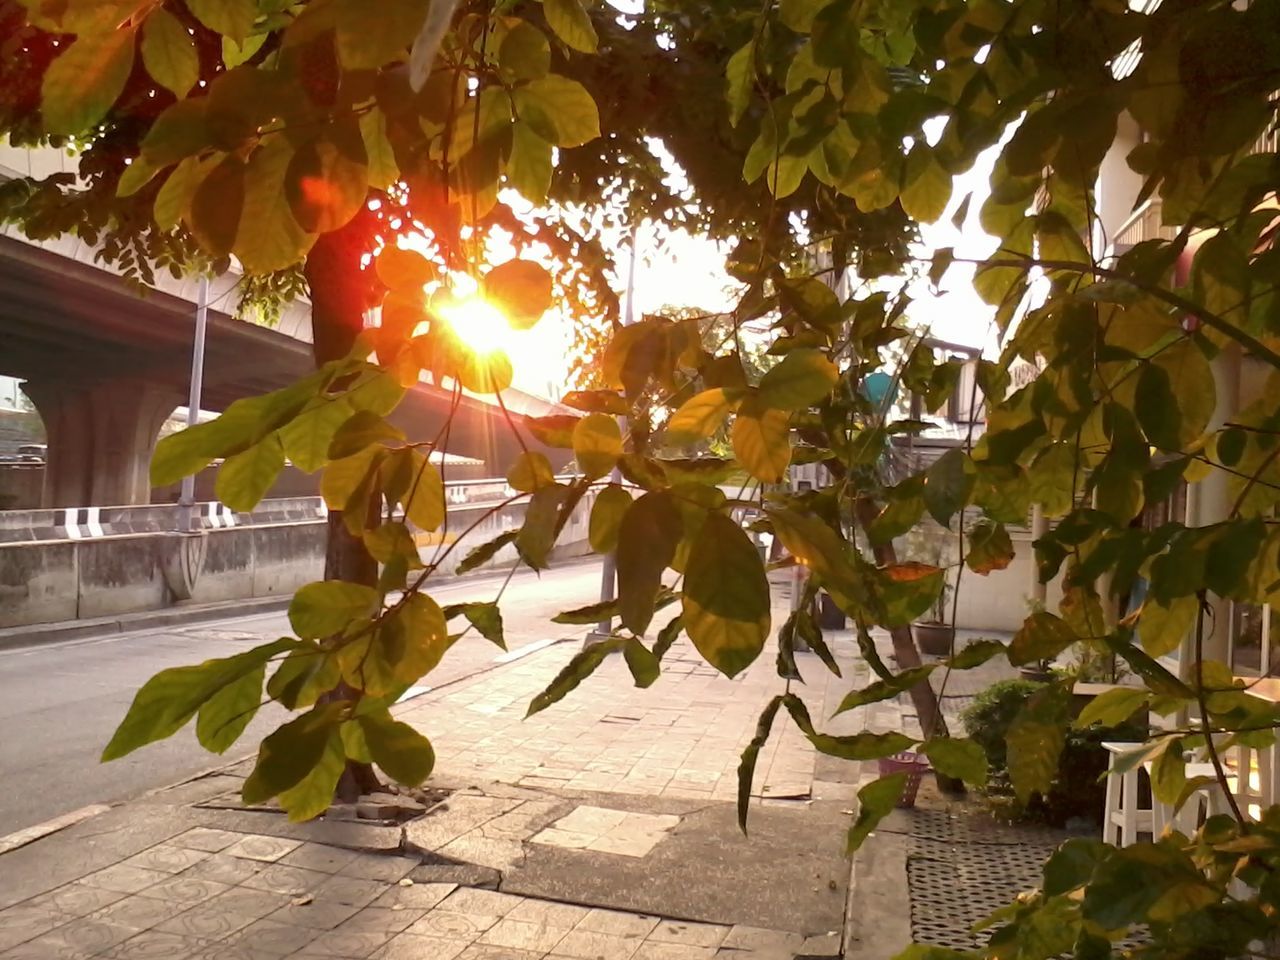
(289, 754)
(726, 596)
(82, 83)
(423, 499)
(740, 74)
(762, 441)
(802, 379)
(343, 478)
(530, 471)
(570, 22)
(948, 484)
(232, 18)
(1072, 864)
(699, 417)
(327, 607)
(525, 52)
(1112, 707)
(537, 533)
(976, 654)
(384, 170)
(173, 201)
(668, 635)
(1035, 740)
(747, 765)
(169, 699)
(224, 716)
(521, 289)
(360, 430)
(908, 590)
(169, 53)
(234, 54)
(486, 617)
(328, 178)
(1042, 636)
(926, 186)
(859, 746)
(647, 541)
(582, 665)
(611, 505)
(270, 239)
(641, 662)
(957, 757)
(885, 689)
(990, 548)
(245, 478)
(597, 444)
(368, 40)
(217, 206)
(1162, 627)
(554, 431)
(486, 551)
(303, 676)
(592, 613)
(530, 164)
(813, 301)
(875, 802)
(559, 109)
(313, 794)
(401, 751)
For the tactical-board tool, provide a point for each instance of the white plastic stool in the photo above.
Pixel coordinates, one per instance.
(1122, 818)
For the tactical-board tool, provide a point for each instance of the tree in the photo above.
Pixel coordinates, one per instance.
(849, 122)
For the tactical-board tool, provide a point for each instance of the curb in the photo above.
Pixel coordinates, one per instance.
(37, 634)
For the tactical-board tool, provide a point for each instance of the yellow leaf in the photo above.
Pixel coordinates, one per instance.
(699, 417)
(762, 442)
(597, 444)
(80, 86)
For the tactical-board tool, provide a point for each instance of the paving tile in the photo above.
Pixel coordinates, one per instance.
(46, 947)
(480, 951)
(370, 866)
(317, 915)
(347, 943)
(593, 945)
(155, 945)
(483, 902)
(223, 869)
(166, 858)
(382, 920)
(741, 937)
(549, 912)
(453, 926)
(316, 856)
(28, 921)
(618, 922)
(523, 935)
(185, 889)
(124, 879)
(691, 934)
(412, 946)
(73, 900)
(90, 936)
(204, 838)
(257, 846)
(289, 881)
(272, 936)
(206, 922)
(419, 896)
(555, 837)
(138, 913)
(653, 950)
(351, 891)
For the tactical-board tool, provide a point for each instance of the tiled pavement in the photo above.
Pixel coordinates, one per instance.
(219, 895)
(243, 896)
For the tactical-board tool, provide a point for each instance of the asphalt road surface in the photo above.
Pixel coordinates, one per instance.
(60, 702)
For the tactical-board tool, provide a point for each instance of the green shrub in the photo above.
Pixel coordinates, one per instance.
(1078, 792)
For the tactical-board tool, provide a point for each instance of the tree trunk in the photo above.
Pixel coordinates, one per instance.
(340, 294)
(928, 709)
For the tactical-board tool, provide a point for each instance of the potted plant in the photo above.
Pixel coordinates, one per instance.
(934, 633)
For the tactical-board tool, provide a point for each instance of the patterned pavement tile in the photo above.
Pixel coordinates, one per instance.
(256, 846)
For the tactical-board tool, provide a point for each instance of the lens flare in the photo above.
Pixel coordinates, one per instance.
(478, 324)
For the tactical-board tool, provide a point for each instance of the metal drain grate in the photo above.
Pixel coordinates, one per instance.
(952, 888)
(947, 828)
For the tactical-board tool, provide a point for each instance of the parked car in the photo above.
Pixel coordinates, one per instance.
(33, 452)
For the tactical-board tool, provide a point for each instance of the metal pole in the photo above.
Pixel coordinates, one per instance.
(187, 495)
(609, 570)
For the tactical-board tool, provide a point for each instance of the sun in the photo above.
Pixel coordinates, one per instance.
(477, 323)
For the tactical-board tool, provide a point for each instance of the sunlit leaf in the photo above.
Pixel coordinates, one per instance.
(570, 22)
(607, 512)
(559, 109)
(245, 478)
(169, 53)
(521, 289)
(582, 665)
(525, 52)
(233, 18)
(926, 186)
(1112, 707)
(699, 417)
(482, 554)
(270, 239)
(400, 750)
(85, 79)
(328, 178)
(802, 378)
(530, 471)
(597, 444)
(327, 607)
(762, 441)
(726, 596)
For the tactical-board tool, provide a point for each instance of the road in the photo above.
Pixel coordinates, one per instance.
(60, 703)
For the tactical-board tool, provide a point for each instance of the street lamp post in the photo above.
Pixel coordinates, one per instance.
(187, 494)
(609, 571)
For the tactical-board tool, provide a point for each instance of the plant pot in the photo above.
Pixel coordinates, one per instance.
(830, 617)
(933, 639)
(914, 765)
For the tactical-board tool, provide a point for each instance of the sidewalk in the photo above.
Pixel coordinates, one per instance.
(603, 827)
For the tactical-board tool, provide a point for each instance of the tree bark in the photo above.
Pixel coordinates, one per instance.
(340, 294)
(928, 709)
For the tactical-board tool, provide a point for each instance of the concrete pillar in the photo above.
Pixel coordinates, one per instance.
(1038, 592)
(101, 434)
